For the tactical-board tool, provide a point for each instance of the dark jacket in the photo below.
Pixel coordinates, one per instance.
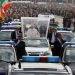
(50, 37)
(58, 49)
(20, 49)
(13, 35)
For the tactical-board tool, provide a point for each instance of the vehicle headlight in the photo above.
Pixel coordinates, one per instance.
(47, 53)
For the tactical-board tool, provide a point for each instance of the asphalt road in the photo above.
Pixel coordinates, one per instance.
(59, 19)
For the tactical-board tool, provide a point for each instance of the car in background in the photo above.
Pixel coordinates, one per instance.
(69, 55)
(5, 32)
(17, 20)
(54, 25)
(7, 51)
(13, 23)
(5, 35)
(37, 47)
(51, 16)
(7, 56)
(67, 34)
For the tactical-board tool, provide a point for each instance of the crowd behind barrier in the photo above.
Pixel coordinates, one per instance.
(18, 10)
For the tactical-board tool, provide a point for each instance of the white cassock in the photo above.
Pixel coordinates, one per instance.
(32, 33)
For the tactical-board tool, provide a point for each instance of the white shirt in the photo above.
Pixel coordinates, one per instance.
(17, 42)
(16, 34)
(32, 33)
(59, 40)
(53, 38)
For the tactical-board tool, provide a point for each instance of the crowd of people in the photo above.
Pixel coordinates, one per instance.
(18, 10)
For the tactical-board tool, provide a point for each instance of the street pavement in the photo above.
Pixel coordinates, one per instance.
(59, 19)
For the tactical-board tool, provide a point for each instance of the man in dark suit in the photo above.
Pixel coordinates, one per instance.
(20, 47)
(52, 36)
(14, 34)
(58, 46)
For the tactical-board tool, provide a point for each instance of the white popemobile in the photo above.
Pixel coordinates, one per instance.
(35, 36)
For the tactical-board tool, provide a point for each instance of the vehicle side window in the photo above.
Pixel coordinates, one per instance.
(69, 38)
(64, 36)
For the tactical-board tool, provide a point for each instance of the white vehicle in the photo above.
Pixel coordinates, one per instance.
(67, 34)
(7, 51)
(51, 16)
(5, 33)
(7, 54)
(69, 55)
(39, 65)
(37, 47)
(16, 20)
(34, 34)
(13, 23)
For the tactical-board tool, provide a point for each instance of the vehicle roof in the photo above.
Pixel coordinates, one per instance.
(40, 65)
(35, 38)
(12, 25)
(4, 45)
(73, 46)
(13, 22)
(64, 31)
(39, 71)
(44, 15)
(16, 22)
(7, 30)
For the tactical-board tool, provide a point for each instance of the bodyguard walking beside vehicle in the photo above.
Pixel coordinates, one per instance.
(20, 47)
(58, 46)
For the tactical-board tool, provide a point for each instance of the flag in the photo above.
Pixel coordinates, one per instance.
(0, 12)
(3, 13)
(5, 5)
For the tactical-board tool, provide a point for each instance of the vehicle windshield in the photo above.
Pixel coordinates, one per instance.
(6, 53)
(69, 54)
(69, 37)
(5, 35)
(38, 74)
(54, 25)
(36, 43)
